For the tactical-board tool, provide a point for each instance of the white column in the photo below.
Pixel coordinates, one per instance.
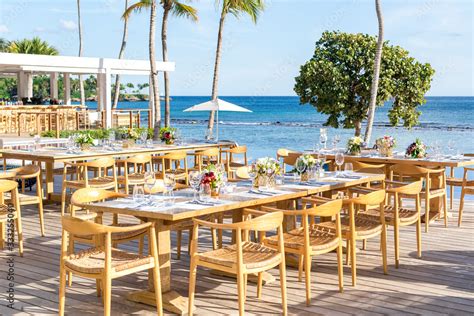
(53, 85)
(19, 85)
(151, 102)
(67, 89)
(99, 92)
(108, 99)
(29, 85)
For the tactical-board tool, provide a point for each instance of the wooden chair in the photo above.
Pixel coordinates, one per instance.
(175, 163)
(231, 162)
(359, 166)
(398, 216)
(204, 158)
(467, 188)
(430, 190)
(134, 169)
(241, 258)
(290, 159)
(22, 174)
(312, 240)
(7, 215)
(452, 182)
(282, 153)
(103, 262)
(81, 179)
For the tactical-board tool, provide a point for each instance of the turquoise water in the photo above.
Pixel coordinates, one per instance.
(281, 122)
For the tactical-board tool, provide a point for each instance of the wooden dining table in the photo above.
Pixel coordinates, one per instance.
(54, 155)
(243, 196)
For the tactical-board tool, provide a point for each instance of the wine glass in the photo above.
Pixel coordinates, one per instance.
(170, 183)
(335, 141)
(300, 167)
(339, 160)
(138, 193)
(195, 181)
(323, 137)
(150, 182)
(143, 137)
(348, 168)
(205, 192)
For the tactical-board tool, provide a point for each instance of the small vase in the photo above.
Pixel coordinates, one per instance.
(128, 143)
(386, 152)
(355, 152)
(85, 147)
(215, 192)
(305, 177)
(169, 142)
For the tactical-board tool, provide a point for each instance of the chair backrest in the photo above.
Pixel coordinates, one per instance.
(238, 150)
(373, 198)
(26, 172)
(408, 189)
(78, 226)
(90, 195)
(105, 162)
(368, 168)
(12, 187)
(327, 209)
(242, 173)
(291, 158)
(176, 155)
(262, 223)
(7, 186)
(211, 152)
(412, 170)
(139, 159)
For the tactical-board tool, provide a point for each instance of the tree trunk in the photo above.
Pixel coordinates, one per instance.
(215, 80)
(375, 80)
(164, 44)
(154, 75)
(79, 26)
(120, 56)
(358, 128)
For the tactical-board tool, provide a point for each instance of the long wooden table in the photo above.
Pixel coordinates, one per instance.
(51, 156)
(167, 217)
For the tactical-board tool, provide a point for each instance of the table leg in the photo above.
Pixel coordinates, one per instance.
(49, 186)
(172, 300)
(436, 204)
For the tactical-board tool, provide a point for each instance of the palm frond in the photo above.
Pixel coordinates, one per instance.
(180, 9)
(253, 8)
(136, 7)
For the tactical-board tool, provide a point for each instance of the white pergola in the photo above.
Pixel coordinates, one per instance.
(24, 66)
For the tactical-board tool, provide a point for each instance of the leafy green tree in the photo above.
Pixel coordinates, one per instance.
(31, 46)
(3, 45)
(337, 80)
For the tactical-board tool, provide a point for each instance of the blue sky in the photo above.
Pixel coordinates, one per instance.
(260, 59)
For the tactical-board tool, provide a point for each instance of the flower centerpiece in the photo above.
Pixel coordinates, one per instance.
(385, 145)
(85, 140)
(212, 177)
(304, 164)
(266, 170)
(416, 150)
(128, 136)
(354, 145)
(167, 135)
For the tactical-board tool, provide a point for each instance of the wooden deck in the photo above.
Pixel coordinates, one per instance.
(442, 282)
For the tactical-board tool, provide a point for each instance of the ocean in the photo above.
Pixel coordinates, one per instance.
(277, 122)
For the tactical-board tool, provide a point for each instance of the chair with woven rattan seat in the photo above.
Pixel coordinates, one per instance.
(452, 182)
(398, 216)
(243, 257)
(466, 188)
(231, 161)
(103, 262)
(134, 169)
(204, 158)
(312, 239)
(12, 213)
(175, 163)
(22, 174)
(103, 180)
(429, 191)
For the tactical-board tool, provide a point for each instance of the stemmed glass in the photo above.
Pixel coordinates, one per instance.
(339, 160)
(323, 137)
(150, 182)
(143, 137)
(37, 140)
(170, 183)
(138, 193)
(195, 181)
(252, 172)
(335, 141)
(300, 167)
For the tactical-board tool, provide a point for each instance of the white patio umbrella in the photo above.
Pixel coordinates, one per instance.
(217, 105)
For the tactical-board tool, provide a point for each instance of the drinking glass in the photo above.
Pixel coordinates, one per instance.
(112, 136)
(143, 137)
(323, 137)
(348, 168)
(335, 141)
(170, 183)
(195, 181)
(339, 160)
(37, 141)
(149, 143)
(138, 193)
(252, 171)
(300, 168)
(177, 136)
(205, 193)
(150, 182)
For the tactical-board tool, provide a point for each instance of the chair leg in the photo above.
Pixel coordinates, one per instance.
(241, 293)
(259, 285)
(62, 289)
(418, 237)
(283, 288)
(451, 194)
(19, 232)
(307, 270)
(98, 287)
(157, 286)
(384, 250)
(461, 207)
(364, 244)
(353, 260)
(445, 208)
(107, 293)
(190, 238)
(63, 200)
(427, 215)
(179, 236)
(340, 270)
(41, 217)
(348, 251)
(245, 286)
(141, 245)
(214, 238)
(396, 239)
(300, 267)
(192, 285)
(2, 235)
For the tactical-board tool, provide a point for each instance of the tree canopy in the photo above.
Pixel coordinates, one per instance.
(337, 80)
(31, 46)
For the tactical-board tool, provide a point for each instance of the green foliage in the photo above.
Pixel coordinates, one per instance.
(85, 138)
(3, 45)
(121, 133)
(31, 46)
(253, 8)
(337, 79)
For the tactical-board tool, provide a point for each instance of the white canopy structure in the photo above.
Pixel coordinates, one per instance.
(217, 105)
(24, 66)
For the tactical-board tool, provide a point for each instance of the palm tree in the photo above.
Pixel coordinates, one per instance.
(181, 10)
(235, 7)
(144, 4)
(79, 26)
(33, 46)
(121, 53)
(375, 79)
(3, 45)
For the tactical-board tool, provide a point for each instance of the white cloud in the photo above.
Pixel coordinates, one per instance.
(4, 28)
(68, 24)
(40, 29)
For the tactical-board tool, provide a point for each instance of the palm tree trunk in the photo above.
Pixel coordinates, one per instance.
(215, 80)
(154, 75)
(358, 128)
(79, 26)
(120, 56)
(164, 44)
(375, 80)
